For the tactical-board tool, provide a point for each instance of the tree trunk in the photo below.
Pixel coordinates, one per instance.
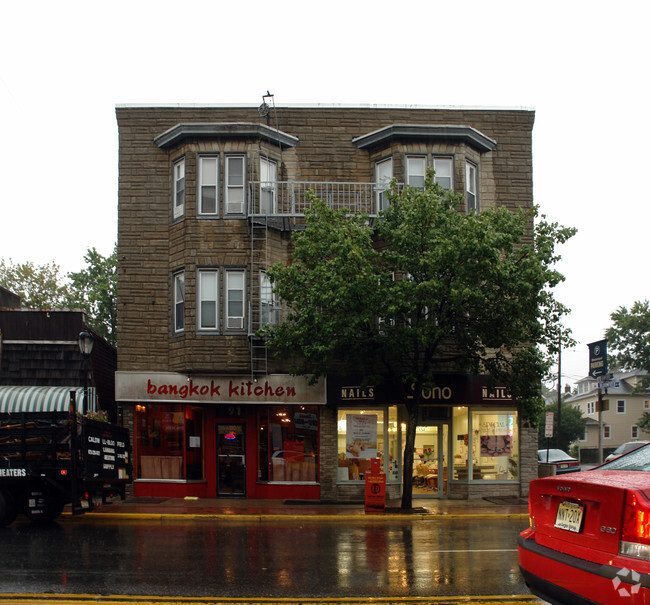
(409, 446)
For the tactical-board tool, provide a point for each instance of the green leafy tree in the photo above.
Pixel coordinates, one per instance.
(427, 289)
(94, 289)
(629, 337)
(644, 422)
(39, 286)
(573, 427)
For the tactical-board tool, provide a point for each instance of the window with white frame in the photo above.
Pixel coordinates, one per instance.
(646, 404)
(235, 183)
(591, 407)
(235, 302)
(383, 176)
(178, 302)
(178, 192)
(471, 186)
(268, 302)
(416, 168)
(607, 433)
(634, 432)
(208, 297)
(268, 186)
(444, 172)
(208, 179)
(620, 406)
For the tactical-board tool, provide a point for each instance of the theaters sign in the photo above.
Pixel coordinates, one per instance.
(179, 388)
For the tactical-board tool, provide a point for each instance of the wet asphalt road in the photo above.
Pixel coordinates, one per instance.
(268, 559)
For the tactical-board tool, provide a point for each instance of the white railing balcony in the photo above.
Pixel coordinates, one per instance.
(289, 198)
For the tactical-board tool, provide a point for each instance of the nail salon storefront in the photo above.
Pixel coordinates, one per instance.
(281, 438)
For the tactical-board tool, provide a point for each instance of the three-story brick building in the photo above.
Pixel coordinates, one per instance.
(208, 199)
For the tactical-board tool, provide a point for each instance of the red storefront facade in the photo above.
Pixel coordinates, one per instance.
(224, 436)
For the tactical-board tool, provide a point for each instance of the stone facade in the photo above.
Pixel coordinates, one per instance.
(314, 144)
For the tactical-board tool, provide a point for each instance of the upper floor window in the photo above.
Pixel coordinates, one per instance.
(208, 289)
(471, 186)
(268, 186)
(235, 302)
(416, 168)
(620, 406)
(383, 176)
(235, 183)
(444, 172)
(208, 179)
(591, 407)
(268, 302)
(178, 302)
(178, 195)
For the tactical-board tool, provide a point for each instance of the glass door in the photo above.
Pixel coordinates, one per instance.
(430, 461)
(231, 460)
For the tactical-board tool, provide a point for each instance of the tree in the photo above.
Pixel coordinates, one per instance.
(94, 289)
(628, 339)
(425, 289)
(573, 426)
(39, 286)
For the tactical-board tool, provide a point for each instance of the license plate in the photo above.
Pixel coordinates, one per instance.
(563, 466)
(569, 516)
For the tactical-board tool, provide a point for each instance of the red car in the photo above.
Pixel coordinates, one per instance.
(589, 540)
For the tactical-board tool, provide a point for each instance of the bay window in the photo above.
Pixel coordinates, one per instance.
(444, 172)
(208, 191)
(178, 302)
(208, 296)
(416, 168)
(178, 189)
(235, 183)
(471, 187)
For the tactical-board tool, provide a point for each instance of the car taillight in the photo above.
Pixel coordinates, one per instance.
(635, 535)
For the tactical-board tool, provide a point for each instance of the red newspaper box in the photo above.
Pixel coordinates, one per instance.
(375, 488)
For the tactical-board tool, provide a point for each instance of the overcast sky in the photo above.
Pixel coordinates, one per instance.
(582, 66)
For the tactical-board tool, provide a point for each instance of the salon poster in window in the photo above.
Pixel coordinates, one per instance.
(495, 445)
(361, 436)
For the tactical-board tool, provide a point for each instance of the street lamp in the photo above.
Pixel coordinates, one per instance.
(86, 342)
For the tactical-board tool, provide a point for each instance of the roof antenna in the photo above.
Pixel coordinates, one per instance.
(264, 110)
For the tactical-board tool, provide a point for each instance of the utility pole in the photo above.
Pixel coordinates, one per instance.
(559, 391)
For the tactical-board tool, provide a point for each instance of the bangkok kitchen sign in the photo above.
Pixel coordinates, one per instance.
(179, 388)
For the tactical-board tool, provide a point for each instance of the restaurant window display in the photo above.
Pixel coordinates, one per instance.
(288, 444)
(364, 435)
(169, 442)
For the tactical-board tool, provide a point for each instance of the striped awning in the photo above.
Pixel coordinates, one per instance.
(42, 399)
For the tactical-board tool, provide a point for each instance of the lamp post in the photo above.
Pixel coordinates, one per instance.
(86, 342)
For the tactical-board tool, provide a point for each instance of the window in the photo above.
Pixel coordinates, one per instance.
(495, 445)
(646, 405)
(383, 176)
(364, 434)
(591, 407)
(208, 185)
(178, 195)
(234, 300)
(620, 406)
(607, 434)
(268, 186)
(169, 442)
(268, 303)
(235, 184)
(178, 302)
(635, 432)
(471, 178)
(444, 173)
(208, 299)
(288, 443)
(416, 168)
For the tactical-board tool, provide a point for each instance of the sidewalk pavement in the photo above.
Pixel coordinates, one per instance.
(245, 509)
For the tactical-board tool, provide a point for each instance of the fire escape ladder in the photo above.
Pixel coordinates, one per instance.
(259, 259)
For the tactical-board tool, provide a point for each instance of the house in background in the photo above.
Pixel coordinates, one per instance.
(41, 362)
(208, 199)
(623, 406)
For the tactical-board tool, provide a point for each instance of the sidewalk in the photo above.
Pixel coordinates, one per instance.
(235, 508)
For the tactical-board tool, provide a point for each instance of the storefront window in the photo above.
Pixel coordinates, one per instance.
(364, 435)
(169, 442)
(460, 442)
(495, 444)
(288, 441)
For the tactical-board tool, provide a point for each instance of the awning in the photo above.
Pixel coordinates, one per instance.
(41, 399)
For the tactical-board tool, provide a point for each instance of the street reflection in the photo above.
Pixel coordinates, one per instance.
(275, 559)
